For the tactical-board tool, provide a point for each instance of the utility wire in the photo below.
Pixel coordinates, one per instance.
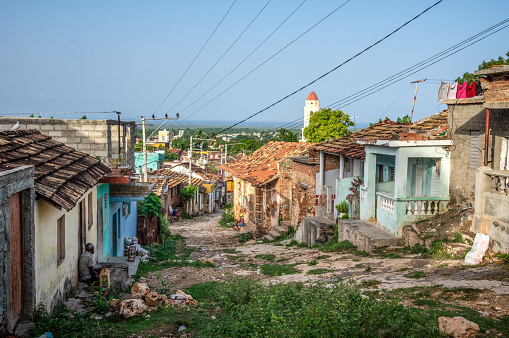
(333, 69)
(264, 62)
(418, 70)
(409, 69)
(247, 57)
(192, 62)
(222, 56)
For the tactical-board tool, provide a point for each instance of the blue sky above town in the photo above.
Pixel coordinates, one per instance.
(95, 56)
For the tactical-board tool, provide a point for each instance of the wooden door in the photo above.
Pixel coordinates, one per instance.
(114, 234)
(16, 251)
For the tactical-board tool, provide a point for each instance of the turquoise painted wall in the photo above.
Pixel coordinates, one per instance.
(125, 226)
(152, 160)
(102, 190)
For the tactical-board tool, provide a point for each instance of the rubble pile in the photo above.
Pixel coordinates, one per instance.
(144, 300)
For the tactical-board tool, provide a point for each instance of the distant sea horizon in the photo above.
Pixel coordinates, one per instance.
(247, 124)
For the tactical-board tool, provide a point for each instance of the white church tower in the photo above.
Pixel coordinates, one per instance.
(312, 105)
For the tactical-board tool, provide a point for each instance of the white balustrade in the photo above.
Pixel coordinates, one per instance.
(422, 207)
(387, 204)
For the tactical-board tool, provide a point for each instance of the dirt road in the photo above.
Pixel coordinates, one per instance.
(209, 240)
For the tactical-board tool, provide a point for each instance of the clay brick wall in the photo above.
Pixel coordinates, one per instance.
(302, 200)
(497, 90)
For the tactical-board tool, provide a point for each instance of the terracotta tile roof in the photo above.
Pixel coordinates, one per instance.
(261, 165)
(62, 175)
(206, 174)
(160, 183)
(174, 178)
(429, 128)
(312, 96)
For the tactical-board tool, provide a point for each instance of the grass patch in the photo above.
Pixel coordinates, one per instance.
(313, 263)
(370, 283)
(230, 251)
(404, 269)
(416, 274)
(319, 271)
(243, 238)
(267, 257)
(282, 260)
(368, 269)
(323, 257)
(293, 310)
(239, 258)
(278, 269)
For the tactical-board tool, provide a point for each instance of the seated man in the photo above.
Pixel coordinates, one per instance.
(239, 223)
(86, 266)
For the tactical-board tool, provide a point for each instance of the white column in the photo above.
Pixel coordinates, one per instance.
(322, 168)
(341, 166)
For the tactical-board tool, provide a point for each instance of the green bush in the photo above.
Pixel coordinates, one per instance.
(278, 269)
(151, 206)
(227, 219)
(342, 207)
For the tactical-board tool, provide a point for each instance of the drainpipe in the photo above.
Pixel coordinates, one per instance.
(487, 137)
(322, 168)
(341, 166)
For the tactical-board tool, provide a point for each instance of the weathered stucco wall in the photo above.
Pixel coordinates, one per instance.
(19, 180)
(126, 227)
(55, 278)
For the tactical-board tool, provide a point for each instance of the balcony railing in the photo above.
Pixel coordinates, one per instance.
(499, 183)
(417, 206)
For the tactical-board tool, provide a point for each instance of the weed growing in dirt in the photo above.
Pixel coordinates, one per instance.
(404, 269)
(243, 238)
(370, 283)
(239, 258)
(267, 257)
(297, 244)
(248, 309)
(312, 263)
(227, 218)
(319, 271)
(278, 269)
(282, 260)
(230, 250)
(323, 257)
(368, 269)
(416, 274)
(457, 238)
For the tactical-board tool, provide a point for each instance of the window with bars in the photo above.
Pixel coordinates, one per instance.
(60, 240)
(391, 173)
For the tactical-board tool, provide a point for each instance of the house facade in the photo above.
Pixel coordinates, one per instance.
(64, 211)
(262, 183)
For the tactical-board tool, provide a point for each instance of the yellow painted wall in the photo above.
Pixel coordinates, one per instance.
(208, 187)
(53, 280)
(229, 186)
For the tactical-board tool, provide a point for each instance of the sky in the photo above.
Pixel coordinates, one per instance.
(127, 56)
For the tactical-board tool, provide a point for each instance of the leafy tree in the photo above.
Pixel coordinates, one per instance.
(469, 77)
(151, 206)
(404, 119)
(285, 135)
(327, 124)
(84, 117)
(170, 156)
(31, 115)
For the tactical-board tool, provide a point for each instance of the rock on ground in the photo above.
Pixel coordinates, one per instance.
(458, 327)
(139, 290)
(132, 307)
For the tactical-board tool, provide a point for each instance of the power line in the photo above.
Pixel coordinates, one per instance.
(222, 56)
(333, 69)
(264, 62)
(192, 62)
(247, 57)
(409, 69)
(418, 70)
(61, 113)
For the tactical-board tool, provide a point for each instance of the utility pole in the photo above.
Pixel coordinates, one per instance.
(118, 115)
(226, 152)
(415, 96)
(190, 158)
(144, 150)
(145, 179)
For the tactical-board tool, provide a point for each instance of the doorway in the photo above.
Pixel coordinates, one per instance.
(16, 251)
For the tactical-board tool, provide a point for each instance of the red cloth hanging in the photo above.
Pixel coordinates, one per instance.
(462, 91)
(471, 90)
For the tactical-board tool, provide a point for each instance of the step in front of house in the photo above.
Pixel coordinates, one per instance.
(366, 236)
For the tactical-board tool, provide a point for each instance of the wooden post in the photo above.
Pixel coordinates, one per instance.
(415, 97)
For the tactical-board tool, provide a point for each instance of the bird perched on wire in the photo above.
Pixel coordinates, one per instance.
(177, 115)
(16, 126)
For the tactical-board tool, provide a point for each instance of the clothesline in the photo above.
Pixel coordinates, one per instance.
(446, 91)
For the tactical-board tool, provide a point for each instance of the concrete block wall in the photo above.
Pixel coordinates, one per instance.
(98, 138)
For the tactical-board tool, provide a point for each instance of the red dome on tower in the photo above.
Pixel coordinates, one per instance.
(312, 97)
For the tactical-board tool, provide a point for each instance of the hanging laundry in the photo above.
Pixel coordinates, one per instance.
(461, 93)
(443, 90)
(478, 89)
(471, 90)
(451, 95)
